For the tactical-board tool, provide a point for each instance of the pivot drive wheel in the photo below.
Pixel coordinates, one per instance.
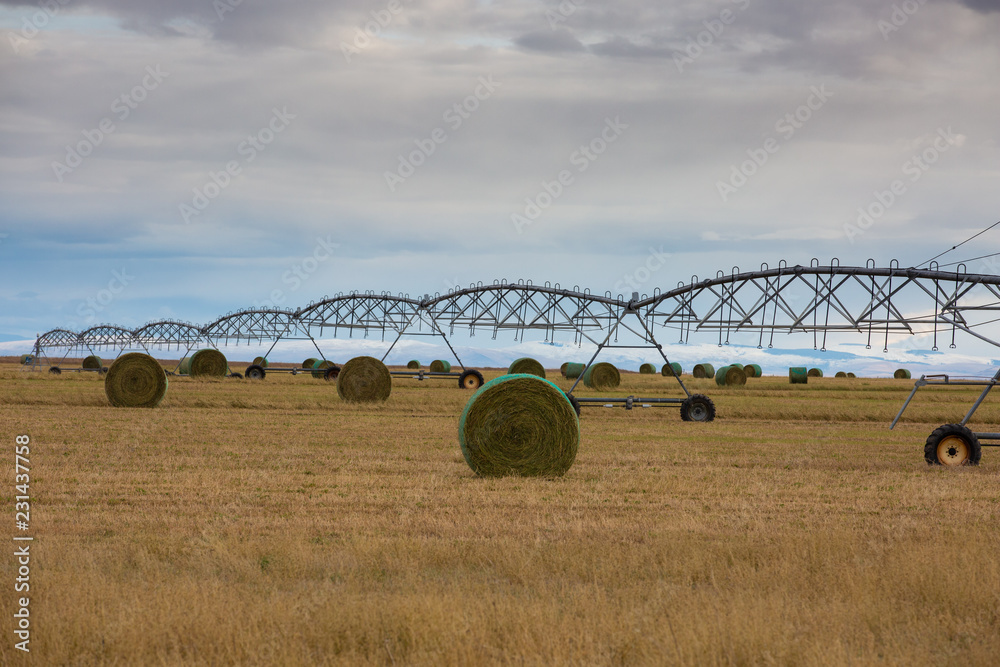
(697, 408)
(953, 445)
(471, 379)
(331, 373)
(55, 370)
(254, 372)
(575, 403)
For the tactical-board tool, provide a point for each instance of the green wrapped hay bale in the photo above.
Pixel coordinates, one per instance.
(260, 361)
(413, 364)
(647, 369)
(815, 372)
(752, 370)
(26, 359)
(135, 380)
(440, 366)
(319, 368)
(364, 380)
(519, 425)
(840, 374)
(851, 375)
(574, 370)
(93, 363)
(208, 363)
(562, 369)
(703, 371)
(901, 374)
(308, 363)
(798, 375)
(526, 365)
(602, 376)
(739, 366)
(184, 368)
(730, 376)
(673, 369)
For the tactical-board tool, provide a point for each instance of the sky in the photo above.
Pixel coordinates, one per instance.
(194, 157)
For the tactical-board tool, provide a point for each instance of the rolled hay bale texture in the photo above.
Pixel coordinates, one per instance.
(752, 370)
(815, 372)
(260, 361)
(703, 371)
(673, 369)
(798, 375)
(440, 366)
(901, 374)
(26, 359)
(320, 366)
(851, 375)
(308, 363)
(526, 365)
(135, 380)
(413, 364)
(602, 376)
(840, 374)
(647, 369)
(364, 380)
(573, 370)
(740, 366)
(730, 376)
(208, 363)
(93, 362)
(519, 424)
(562, 368)
(184, 367)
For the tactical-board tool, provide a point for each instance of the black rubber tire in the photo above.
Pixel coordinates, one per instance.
(55, 370)
(471, 379)
(575, 403)
(236, 376)
(944, 447)
(255, 372)
(331, 373)
(104, 370)
(697, 408)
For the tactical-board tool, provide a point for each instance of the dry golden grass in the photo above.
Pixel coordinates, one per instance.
(269, 523)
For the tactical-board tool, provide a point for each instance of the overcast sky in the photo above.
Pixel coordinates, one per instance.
(190, 155)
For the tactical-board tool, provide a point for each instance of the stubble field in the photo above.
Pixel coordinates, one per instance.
(267, 522)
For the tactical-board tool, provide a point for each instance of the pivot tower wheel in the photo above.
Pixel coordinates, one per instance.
(953, 445)
(697, 408)
(255, 372)
(471, 379)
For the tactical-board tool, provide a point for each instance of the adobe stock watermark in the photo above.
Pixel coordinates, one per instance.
(913, 169)
(122, 107)
(562, 12)
(454, 116)
(371, 29)
(249, 149)
(89, 308)
(300, 272)
(899, 17)
(714, 28)
(223, 7)
(30, 27)
(785, 127)
(581, 159)
(644, 272)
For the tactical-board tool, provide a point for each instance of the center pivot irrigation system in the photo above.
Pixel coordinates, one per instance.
(821, 301)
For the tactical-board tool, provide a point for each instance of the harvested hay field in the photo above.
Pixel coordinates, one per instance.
(271, 523)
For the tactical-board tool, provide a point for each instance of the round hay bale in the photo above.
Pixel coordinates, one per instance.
(526, 365)
(573, 370)
(562, 369)
(26, 359)
(364, 380)
(413, 364)
(647, 369)
(308, 363)
(851, 375)
(815, 372)
(798, 375)
(208, 363)
(703, 371)
(519, 424)
(740, 366)
(602, 376)
(135, 380)
(185, 366)
(901, 374)
(319, 368)
(730, 376)
(260, 361)
(840, 374)
(440, 366)
(93, 363)
(752, 370)
(673, 369)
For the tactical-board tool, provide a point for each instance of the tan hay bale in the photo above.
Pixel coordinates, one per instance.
(135, 380)
(526, 365)
(93, 362)
(208, 363)
(364, 380)
(602, 376)
(440, 366)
